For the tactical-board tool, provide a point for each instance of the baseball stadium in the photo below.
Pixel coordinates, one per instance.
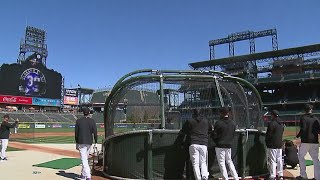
(132, 117)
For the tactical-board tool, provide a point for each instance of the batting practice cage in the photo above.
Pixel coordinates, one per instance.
(146, 109)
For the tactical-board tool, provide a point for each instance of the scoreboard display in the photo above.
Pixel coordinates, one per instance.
(31, 79)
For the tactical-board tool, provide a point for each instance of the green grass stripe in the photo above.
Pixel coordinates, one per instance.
(33, 130)
(289, 137)
(49, 139)
(292, 128)
(13, 149)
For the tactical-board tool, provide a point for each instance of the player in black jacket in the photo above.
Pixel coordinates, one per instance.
(84, 130)
(274, 145)
(4, 135)
(197, 129)
(223, 134)
(309, 130)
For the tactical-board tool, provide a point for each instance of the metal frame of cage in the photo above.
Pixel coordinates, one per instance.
(161, 76)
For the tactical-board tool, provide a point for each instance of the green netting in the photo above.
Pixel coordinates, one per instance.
(163, 154)
(255, 154)
(125, 155)
(165, 100)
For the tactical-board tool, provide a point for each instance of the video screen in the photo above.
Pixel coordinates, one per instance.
(31, 79)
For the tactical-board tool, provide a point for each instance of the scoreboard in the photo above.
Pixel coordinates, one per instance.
(30, 79)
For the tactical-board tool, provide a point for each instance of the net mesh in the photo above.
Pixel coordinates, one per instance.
(141, 103)
(145, 103)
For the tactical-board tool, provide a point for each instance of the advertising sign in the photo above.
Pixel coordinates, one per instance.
(121, 125)
(71, 100)
(24, 126)
(39, 126)
(72, 126)
(15, 99)
(45, 102)
(71, 92)
(56, 126)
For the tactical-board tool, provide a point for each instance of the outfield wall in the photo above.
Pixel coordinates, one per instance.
(68, 127)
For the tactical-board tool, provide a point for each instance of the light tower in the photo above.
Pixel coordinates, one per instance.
(33, 46)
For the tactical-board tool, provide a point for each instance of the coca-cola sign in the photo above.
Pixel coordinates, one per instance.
(15, 99)
(9, 99)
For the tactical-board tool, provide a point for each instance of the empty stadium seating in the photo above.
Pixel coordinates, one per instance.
(99, 96)
(42, 116)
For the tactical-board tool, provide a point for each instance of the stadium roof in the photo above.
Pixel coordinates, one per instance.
(85, 90)
(257, 56)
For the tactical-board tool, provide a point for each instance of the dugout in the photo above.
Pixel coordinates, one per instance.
(165, 100)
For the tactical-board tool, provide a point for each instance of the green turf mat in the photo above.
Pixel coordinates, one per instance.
(63, 163)
(309, 162)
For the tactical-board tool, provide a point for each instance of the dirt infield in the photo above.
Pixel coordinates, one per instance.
(42, 134)
(97, 175)
(73, 153)
(289, 133)
(57, 151)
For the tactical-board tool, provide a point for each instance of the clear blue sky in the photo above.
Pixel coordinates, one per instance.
(95, 42)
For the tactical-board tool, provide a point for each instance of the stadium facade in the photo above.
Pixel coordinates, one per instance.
(286, 79)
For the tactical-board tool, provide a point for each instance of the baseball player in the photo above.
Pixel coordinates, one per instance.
(223, 134)
(274, 145)
(85, 131)
(4, 135)
(309, 130)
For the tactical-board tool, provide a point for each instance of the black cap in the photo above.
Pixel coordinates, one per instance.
(275, 113)
(85, 110)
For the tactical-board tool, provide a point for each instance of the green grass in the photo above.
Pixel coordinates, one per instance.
(13, 149)
(289, 137)
(292, 128)
(49, 139)
(33, 130)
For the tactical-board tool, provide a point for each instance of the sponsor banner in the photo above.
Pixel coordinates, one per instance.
(24, 126)
(56, 126)
(39, 126)
(121, 125)
(45, 101)
(70, 100)
(101, 126)
(71, 92)
(15, 99)
(72, 126)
